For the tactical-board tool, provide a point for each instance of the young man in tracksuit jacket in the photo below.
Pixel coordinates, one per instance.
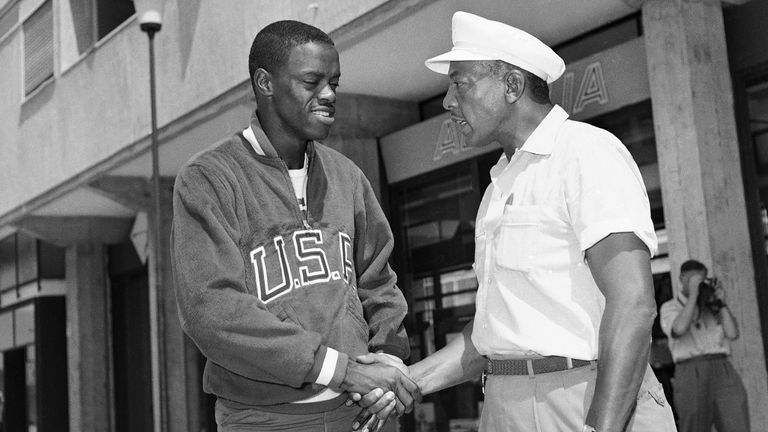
(280, 255)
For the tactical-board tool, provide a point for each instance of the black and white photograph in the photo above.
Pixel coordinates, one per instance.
(383, 215)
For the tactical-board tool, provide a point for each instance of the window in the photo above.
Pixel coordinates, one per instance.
(26, 258)
(6, 334)
(38, 47)
(758, 120)
(82, 23)
(8, 278)
(9, 17)
(28, 267)
(92, 20)
(110, 14)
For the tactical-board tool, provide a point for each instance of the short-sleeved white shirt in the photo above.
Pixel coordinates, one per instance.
(569, 186)
(705, 336)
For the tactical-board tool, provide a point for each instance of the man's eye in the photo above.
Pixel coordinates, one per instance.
(310, 82)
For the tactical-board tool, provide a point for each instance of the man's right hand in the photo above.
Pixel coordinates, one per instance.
(693, 286)
(364, 378)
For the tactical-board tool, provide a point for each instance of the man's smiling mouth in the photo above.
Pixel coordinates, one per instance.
(322, 113)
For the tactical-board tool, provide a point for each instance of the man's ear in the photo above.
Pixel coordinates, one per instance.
(514, 85)
(262, 82)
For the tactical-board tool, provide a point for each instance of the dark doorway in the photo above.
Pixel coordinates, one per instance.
(130, 340)
(15, 411)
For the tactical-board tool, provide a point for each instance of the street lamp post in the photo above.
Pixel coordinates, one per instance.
(150, 13)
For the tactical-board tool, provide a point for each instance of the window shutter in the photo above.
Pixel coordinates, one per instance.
(38, 47)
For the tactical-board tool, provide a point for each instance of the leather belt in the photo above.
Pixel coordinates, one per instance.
(534, 366)
(703, 357)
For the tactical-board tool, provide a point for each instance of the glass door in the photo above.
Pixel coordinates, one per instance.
(433, 217)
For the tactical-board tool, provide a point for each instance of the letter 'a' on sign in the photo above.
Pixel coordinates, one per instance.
(446, 141)
(567, 99)
(592, 88)
(449, 141)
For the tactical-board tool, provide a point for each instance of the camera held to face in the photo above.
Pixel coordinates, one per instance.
(707, 298)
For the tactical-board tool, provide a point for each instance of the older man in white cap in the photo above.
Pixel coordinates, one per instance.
(564, 238)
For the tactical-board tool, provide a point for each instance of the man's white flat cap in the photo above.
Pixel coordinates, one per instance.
(476, 38)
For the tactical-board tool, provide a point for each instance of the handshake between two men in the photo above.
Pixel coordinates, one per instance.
(381, 384)
(384, 386)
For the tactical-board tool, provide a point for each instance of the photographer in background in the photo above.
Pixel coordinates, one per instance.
(707, 390)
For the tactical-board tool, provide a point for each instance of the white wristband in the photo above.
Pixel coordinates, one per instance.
(329, 367)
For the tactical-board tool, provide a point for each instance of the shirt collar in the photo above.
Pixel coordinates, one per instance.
(541, 140)
(497, 169)
(251, 137)
(543, 137)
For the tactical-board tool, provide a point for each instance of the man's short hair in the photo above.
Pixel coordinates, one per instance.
(692, 265)
(538, 88)
(273, 44)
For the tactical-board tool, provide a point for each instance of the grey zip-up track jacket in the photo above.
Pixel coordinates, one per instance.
(263, 289)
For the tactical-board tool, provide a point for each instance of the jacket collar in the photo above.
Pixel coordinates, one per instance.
(266, 144)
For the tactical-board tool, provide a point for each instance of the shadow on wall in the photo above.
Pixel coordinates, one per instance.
(188, 11)
(36, 100)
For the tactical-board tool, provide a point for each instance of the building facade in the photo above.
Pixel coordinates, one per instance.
(90, 339)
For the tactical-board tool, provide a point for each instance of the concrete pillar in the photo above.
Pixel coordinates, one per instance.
(701, 179)
(88, 339)
(87, 303)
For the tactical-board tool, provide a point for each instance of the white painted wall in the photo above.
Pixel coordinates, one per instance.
(100, 103)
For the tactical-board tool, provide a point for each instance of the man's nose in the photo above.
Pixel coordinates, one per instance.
(328, 94)
(449, 101)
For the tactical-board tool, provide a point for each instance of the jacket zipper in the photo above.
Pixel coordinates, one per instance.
(302, 216)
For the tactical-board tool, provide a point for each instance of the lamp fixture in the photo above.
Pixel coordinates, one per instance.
(150, 13)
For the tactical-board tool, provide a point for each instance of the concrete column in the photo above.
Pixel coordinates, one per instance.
(88, 318)
(701, 179)
(88, 339)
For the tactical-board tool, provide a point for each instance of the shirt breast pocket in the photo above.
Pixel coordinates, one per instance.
(517, 238)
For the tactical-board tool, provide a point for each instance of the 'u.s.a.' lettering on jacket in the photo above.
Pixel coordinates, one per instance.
(312, 263)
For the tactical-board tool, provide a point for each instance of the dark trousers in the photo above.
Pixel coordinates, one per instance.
(339, 419)
(708, 391)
